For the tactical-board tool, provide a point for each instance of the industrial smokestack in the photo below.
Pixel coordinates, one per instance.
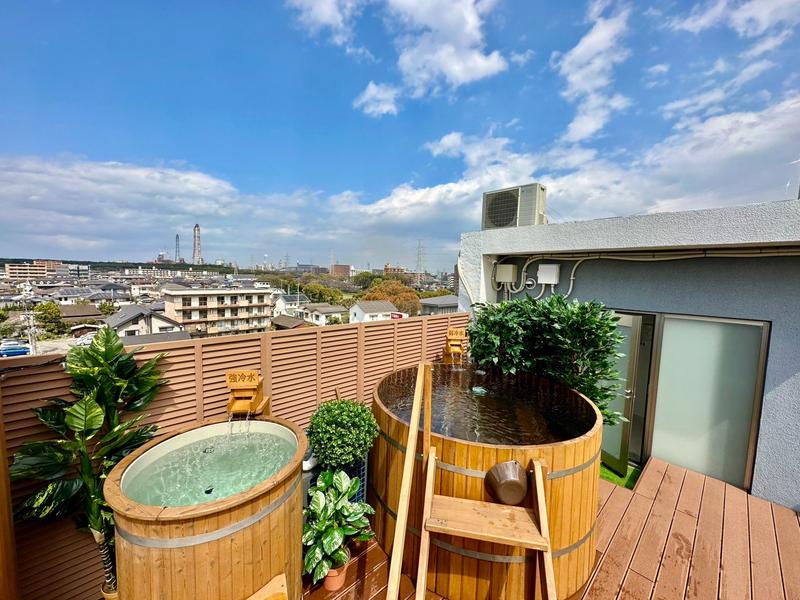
(197, 254)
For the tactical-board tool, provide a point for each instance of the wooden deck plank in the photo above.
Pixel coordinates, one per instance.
(787, 529)
(635, 587)
(691, 493)
(650, 480)
(609, 518)
(612, 569)
(705, 565)
(764, 563)
(647, 557)
(671, 582)
(605, 490)
(734, 581)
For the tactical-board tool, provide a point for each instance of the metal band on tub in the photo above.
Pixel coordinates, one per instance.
(481, 474)
(204, 538)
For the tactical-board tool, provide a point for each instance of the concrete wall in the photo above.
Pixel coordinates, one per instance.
(762, 289)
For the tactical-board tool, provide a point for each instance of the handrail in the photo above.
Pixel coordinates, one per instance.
(425, 535)
(421, 390)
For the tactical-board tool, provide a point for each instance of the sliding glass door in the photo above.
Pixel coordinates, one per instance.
(616, 438)
(708, 393)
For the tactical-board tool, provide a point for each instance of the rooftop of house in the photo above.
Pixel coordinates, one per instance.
(167, 336)
(287, 322)
(769, 224)
(448, 300)
(73, 312)
(127, 313)
(376, 306)
(295, 298)
(324, 308)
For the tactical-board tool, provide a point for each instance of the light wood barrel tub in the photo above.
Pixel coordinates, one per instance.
(468, 569)
(225, 549)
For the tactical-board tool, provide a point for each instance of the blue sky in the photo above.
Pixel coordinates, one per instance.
(362, 126)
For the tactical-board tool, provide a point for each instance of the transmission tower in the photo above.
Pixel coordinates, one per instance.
(177, 247)
(420, 261)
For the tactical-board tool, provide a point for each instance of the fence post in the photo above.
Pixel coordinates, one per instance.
(360, 349)
(8, 562)
(319, 366)
(266, 363)
(198, 379)
(394, 345)
(424, 355)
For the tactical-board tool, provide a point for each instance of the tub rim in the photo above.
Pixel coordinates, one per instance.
(598, 423)
(128, 508)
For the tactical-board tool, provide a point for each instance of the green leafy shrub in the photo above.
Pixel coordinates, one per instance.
(571, 342)
(330, 520)
(90, 438)
(341, 433)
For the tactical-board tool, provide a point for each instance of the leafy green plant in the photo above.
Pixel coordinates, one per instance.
(48, 318)
(341, 433)
(331, 519)
(92, 438)
(571, 342)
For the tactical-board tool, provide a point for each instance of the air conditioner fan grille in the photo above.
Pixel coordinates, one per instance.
(501, 208)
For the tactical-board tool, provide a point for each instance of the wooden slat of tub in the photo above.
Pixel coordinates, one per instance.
(487, 570)
(764, 563)
(225, 550)
(454, 577)
(734, 578)
(474, 489)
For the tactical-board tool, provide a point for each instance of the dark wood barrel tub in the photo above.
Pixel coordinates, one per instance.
(460, 568)
(229, 547)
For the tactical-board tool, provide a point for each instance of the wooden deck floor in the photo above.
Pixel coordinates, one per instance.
(678, 535)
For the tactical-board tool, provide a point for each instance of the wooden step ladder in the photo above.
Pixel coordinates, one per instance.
(472, 519)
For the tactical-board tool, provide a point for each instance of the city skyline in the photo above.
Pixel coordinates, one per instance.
(366, 126)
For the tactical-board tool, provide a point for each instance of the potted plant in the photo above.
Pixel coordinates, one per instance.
(332, 518)
(91, 437)
(340, 436)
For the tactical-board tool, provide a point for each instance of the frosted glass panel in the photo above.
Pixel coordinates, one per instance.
(706, 385)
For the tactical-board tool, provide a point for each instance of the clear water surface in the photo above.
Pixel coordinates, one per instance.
(210, 469)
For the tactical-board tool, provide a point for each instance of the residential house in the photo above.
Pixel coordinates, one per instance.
(439, 305)
(284, 322)
(80, 313)
(138, 320)
(374, 310)
(321, 313)
(287, 304)
(708, 302)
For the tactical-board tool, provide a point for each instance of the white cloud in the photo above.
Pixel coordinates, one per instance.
(659, 69)
(588, 69)
(522, 58)
(378, 99)
(440, 43)
(749, 19)
(337, 16)
(713, 99)
(720, 66)
(767, 44)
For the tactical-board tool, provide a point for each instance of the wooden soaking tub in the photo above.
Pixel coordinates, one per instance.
(460, 568)
(226, 548)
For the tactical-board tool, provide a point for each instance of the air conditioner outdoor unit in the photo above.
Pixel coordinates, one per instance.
(514, 207)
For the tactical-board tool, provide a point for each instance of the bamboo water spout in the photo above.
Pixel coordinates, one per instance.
(246, 394)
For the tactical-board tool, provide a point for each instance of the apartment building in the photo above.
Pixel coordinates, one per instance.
(25, 271)
(219, 311)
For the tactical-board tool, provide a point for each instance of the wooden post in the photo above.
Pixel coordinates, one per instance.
(360, 366)
(427, 400)
(198, 379)
(401, 522)
(8, 561)
(425, 535)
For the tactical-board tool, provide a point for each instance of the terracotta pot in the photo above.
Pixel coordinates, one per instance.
(109, 595)
(334, 580)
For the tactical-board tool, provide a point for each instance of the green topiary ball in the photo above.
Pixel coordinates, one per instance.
(341, 433)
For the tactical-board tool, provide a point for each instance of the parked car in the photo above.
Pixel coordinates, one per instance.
(10, 347)
(86, 339)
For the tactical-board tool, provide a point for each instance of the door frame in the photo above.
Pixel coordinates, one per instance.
(620, 465)
(758, 396)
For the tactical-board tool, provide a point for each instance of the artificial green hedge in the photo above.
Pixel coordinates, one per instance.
(571, 342)
(341, 433)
